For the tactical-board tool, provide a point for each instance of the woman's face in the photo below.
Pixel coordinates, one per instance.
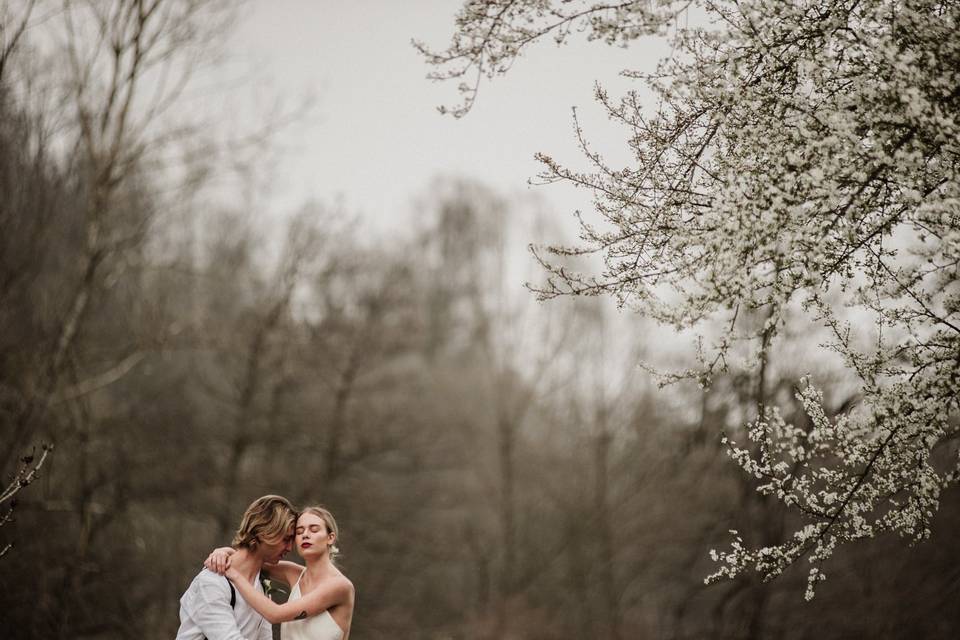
(312, 537)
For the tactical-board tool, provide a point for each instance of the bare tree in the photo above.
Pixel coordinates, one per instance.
(126, 63)
(303, 244)
(12, 27)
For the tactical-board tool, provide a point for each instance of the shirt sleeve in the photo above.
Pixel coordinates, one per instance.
(265, 632)
(211, 611)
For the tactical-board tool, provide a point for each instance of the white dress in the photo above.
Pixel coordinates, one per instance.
(319, 627)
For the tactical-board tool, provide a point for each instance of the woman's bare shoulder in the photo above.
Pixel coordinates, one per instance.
(344, 583)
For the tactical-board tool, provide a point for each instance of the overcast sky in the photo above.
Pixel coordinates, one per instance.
(375, 139)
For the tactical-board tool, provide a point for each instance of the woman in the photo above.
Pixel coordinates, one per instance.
(320, 606)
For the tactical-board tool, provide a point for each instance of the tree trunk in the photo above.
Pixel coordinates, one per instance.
(611, 597)
(506, 444)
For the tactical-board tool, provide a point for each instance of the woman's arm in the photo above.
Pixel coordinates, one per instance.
(329, 594)
(219, 560)
(284, 570)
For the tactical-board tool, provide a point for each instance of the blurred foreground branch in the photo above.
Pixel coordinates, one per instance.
(28, 471)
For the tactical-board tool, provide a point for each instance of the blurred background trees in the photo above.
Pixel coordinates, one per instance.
(499, 468)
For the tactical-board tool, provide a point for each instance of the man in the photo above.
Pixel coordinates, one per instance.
(211, 607)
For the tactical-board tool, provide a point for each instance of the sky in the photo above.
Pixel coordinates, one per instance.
(373, 138)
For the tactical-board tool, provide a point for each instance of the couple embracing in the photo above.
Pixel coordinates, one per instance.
(226, 600)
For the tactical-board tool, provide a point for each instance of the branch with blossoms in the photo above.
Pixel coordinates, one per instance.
(490, 36)
(864, 473)
(27, 471)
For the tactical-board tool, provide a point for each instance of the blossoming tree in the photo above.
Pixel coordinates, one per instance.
(801, 160)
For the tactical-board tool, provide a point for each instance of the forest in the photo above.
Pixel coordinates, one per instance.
(503, 463)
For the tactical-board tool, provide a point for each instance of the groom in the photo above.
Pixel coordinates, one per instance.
(211, 608)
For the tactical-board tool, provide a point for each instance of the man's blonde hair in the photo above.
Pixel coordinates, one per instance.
(268, 519)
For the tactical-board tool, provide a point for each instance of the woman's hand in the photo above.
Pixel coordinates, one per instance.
(233, 575)
(219, 560)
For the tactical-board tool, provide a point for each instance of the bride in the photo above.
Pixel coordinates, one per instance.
(320, 606)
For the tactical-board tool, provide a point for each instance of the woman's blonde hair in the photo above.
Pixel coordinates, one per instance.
(328, 520)
(267, 519)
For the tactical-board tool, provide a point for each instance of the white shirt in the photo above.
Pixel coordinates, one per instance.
(205, 612)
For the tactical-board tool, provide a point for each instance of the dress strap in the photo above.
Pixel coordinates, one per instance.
(300, 577)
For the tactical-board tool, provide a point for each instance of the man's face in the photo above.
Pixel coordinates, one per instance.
(274, 550)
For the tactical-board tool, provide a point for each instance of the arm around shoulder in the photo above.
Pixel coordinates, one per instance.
(331, 593)
(284, 570)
